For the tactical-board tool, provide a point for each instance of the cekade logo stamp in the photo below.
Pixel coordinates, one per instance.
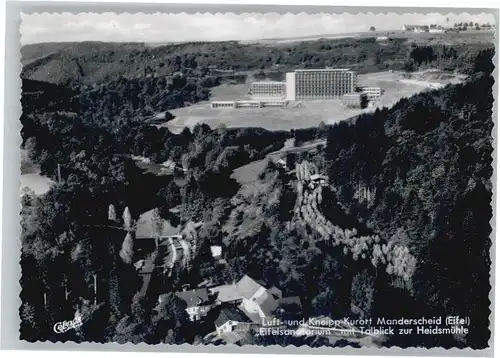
(65, 326)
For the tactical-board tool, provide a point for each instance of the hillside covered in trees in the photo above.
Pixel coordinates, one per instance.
(95, 63)
(400, 228)
(421, 171)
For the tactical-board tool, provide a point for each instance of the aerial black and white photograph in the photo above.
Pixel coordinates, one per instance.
(257, 179)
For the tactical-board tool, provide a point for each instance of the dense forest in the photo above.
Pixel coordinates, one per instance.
(421, 171)
(96, 167)
(416, 176)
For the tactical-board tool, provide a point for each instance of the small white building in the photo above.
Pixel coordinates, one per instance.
(281, 163)
(232, 325)
(416, 28)
(223, 104)
(373, 94)
(216, 251)
(317, 179)
(258, 302)
(268, 89)
(269, 102)
(351, 100)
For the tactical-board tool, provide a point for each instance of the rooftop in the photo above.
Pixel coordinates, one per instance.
(231, 337)
(267, 303)
(318, 177)
(293, 300)
(194, 298)
(323, 69)
(416, 26)
(247, 286)
(258, 98)
(230, 314)
(216, 250)
(226, 293)
(252, 316)
(268, 83)
(351, 95)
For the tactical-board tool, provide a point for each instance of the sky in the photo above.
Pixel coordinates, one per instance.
(178, 27)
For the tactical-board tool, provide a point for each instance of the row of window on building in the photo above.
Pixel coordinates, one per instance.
(249, 104)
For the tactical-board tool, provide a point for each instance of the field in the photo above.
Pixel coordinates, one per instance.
(247, 175)
(304, 114)
(36, 182)
(31, 177)
(450, 38)
(426, 38)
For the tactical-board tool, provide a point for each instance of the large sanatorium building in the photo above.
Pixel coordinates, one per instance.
(305, 84)
(319, 84)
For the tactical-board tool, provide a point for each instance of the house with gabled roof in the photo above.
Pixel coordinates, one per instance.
(249, 287)
(227, 293)
(199, 302)
(258, 302)
(260, 308)
(232, 325)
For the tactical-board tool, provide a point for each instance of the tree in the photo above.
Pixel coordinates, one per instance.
(127, 250)
(29, 213)
(483, 62)
(157, 222)
(111, 213)
(30, 148)
(127, 330)
(127, 220)
(288, 312)
(170, 196)
(363, 285)
(363, 101)
(170, 320)
(324, 303)
(372, 28)
(29, 324)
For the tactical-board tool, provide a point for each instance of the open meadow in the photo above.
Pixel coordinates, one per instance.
(304, 114)
(426, 38)
(31, 177)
